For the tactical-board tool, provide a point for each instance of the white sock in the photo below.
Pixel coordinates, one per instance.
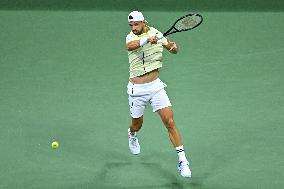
(131, 133)
(181, 153)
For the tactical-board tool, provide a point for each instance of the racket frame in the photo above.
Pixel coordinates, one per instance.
(169, 32)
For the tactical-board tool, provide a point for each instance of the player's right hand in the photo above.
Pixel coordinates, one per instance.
(153, 39)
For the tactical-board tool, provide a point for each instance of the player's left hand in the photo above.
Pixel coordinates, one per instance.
(173, 47)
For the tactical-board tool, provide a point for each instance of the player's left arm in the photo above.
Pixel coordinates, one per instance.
(171, 46)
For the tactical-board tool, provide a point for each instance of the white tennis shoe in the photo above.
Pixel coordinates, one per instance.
(183, 167)
(133, 143)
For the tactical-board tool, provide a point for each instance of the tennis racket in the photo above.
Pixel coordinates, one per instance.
(184, 23)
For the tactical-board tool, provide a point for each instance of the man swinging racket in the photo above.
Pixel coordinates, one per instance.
(145, 46)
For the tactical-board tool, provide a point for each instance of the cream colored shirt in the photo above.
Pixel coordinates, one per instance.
(148, 57)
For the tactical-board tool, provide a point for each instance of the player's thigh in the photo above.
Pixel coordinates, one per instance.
(166, 115)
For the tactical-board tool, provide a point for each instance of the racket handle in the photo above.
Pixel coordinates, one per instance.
(160, 37)
(144, 41)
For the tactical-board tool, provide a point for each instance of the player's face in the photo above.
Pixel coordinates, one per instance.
(137, 27)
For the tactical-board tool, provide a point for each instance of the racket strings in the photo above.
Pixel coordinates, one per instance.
(187, 22)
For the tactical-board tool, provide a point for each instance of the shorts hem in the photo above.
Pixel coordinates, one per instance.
(169, 105)
(135, 117)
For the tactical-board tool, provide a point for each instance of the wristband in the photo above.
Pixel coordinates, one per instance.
(143, 42)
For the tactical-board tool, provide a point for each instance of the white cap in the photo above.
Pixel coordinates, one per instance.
(136, 16)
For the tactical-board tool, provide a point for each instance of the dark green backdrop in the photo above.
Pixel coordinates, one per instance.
(166, 5)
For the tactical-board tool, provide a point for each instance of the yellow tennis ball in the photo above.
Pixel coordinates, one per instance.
(54, 145)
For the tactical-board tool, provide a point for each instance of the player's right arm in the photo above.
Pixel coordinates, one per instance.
(132, 45)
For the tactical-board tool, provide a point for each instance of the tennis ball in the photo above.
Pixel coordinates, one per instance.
(54, 145)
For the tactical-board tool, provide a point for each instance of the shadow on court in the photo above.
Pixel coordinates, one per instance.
(124, 175)
(140, 175)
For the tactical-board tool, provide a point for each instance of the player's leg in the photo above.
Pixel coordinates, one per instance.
(161, 103)
(136, 124)
(137, 106)
(166, 115)
(168, 120)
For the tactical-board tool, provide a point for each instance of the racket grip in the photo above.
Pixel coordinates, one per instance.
(160, 37)
(144, 41)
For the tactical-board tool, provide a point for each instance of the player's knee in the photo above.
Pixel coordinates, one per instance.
(170, 124)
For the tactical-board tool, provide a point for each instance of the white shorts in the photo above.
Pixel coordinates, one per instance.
(141, 94)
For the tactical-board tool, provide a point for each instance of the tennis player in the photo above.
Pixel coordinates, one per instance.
(145, 58)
